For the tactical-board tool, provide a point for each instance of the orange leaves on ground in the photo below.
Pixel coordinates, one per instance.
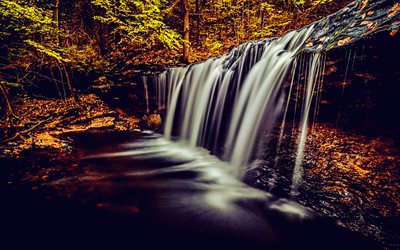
(91, 113)
(393, 10)
(344, 41)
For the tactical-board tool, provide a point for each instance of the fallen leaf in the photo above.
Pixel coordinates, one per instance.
(365, 76)
(345, 83)
(323, 39)
(393, 32)
(370, 13)
(364, 4)
(365, 23)
(371, 26)
(344, 41)
(394, 9)
(310, 44)
(363, 15)
(320, 46)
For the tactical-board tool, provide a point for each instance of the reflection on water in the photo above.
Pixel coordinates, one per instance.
(349, 177)
(186, 196)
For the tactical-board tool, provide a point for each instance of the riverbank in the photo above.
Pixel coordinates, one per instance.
(45, 124)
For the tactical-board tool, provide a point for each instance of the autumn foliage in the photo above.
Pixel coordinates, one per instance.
(66, 43)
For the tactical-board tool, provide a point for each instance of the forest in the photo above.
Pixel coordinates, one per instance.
(241, 124)
(55, 49)
(55, 39)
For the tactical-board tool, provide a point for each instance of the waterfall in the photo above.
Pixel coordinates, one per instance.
(146, 94)
(226, 103)
(262, 98)
(166, 84)
(314, 71)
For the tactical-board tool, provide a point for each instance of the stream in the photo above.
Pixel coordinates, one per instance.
(142, 191)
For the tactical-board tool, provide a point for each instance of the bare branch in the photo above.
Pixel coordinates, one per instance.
(172, 6)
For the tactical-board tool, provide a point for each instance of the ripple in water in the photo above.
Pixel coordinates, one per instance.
(182, 196)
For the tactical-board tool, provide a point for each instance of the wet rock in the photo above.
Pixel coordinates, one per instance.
(152, 122)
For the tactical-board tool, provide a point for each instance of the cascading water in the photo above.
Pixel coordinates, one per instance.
(314, 70)
(166, 84)
(146, 94)
(224, 104)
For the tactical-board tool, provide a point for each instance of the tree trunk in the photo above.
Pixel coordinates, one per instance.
(261, 15)
(71, 89)
(197, 22)
(4, 91)
(186, 41)
(57, 20)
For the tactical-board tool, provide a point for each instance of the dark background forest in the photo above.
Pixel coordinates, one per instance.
(55, 53)
(60, 41)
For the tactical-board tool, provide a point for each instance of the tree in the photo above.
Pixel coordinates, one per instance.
(139, 24)
(53, 39)
(186, 31)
